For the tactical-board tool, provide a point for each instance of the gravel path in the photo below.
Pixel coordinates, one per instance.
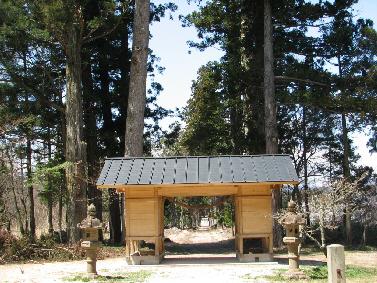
(206, 269)
(183, 268)
(191, 256)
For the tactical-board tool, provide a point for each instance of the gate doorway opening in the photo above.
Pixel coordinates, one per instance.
(199, 228)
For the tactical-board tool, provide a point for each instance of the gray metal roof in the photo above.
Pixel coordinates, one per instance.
(197, 170)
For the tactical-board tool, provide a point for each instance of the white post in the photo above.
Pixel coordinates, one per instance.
(336, 264)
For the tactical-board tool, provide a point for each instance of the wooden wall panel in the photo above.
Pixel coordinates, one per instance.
(257, 190)
(142, 217)
(141, 205)
(185, 191)
(256, 214)
(256, 204)
(142, 192)
(256, 223)
(142, 228)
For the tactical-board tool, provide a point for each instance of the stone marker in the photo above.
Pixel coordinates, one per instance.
(336, 264)
(90, 227)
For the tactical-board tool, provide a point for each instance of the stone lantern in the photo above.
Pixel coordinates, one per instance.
(291, 222)
(90, 227)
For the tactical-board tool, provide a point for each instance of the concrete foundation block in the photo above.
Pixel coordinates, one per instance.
(137, 259)
(262, 257)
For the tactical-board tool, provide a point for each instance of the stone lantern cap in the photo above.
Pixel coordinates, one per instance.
(291, 217)
(91, 221)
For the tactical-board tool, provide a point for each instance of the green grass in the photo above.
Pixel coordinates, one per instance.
(361, 249)
(319, 274)
(360, 272)
(352, 272)
(306, 250)
(78, 278)
(130, 277)
(313, 250)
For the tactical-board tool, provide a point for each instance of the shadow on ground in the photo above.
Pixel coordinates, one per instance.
(216, 253)
(221, 247)
(198, 260)
(310, 262)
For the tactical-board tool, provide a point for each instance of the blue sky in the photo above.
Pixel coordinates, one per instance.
(169, 42)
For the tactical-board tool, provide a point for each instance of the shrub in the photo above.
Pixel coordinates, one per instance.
(5, 239)
(44, 248)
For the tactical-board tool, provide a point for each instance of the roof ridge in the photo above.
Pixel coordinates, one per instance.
(193, 156)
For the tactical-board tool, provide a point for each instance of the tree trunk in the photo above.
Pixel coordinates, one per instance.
(364, 238)
(269, 84)
(346, 174)
(22, 200)
(76, 179)
(94, 195)
(296, 195)
(115, 224)
(233, 82)
(28, 164)
(346, 166)
(49, 192)
(236, 129)
(305, 165)
(256, 139)
(124, 66)
(270, 110)
(138, 77)
(62, 187)
(108, 125)
(30, 190)
(322, 230)
(13, 186)
(23, 203)
(18, 211)
(109, 138)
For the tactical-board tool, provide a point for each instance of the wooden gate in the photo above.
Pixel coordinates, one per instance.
(144, 218)
(145, 182)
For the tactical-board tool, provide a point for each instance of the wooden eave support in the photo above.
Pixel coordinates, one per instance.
(123, 188)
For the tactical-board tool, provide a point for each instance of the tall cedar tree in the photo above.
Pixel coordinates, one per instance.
(271, 129)
(138, 79)
(66, 22)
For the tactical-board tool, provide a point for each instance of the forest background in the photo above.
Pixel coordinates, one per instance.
(325, 77)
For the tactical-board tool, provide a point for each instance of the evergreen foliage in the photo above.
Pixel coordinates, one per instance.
(64, 89)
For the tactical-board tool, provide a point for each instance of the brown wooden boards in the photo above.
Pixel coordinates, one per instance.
(141, 217)
(256, 215)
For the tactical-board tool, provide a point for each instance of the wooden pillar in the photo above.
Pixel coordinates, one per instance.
(238, 223)
(241, 245)
(336, 264)
(271, 245)
(157, 244)
(132, 246)
(124, 219)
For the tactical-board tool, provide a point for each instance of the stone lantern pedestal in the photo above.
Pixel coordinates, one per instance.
(291, 222)
(90, 227)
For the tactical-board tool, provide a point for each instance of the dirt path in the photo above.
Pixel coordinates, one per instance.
(196, 256)
(198, 236)
(182, 268)
(204, 270)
